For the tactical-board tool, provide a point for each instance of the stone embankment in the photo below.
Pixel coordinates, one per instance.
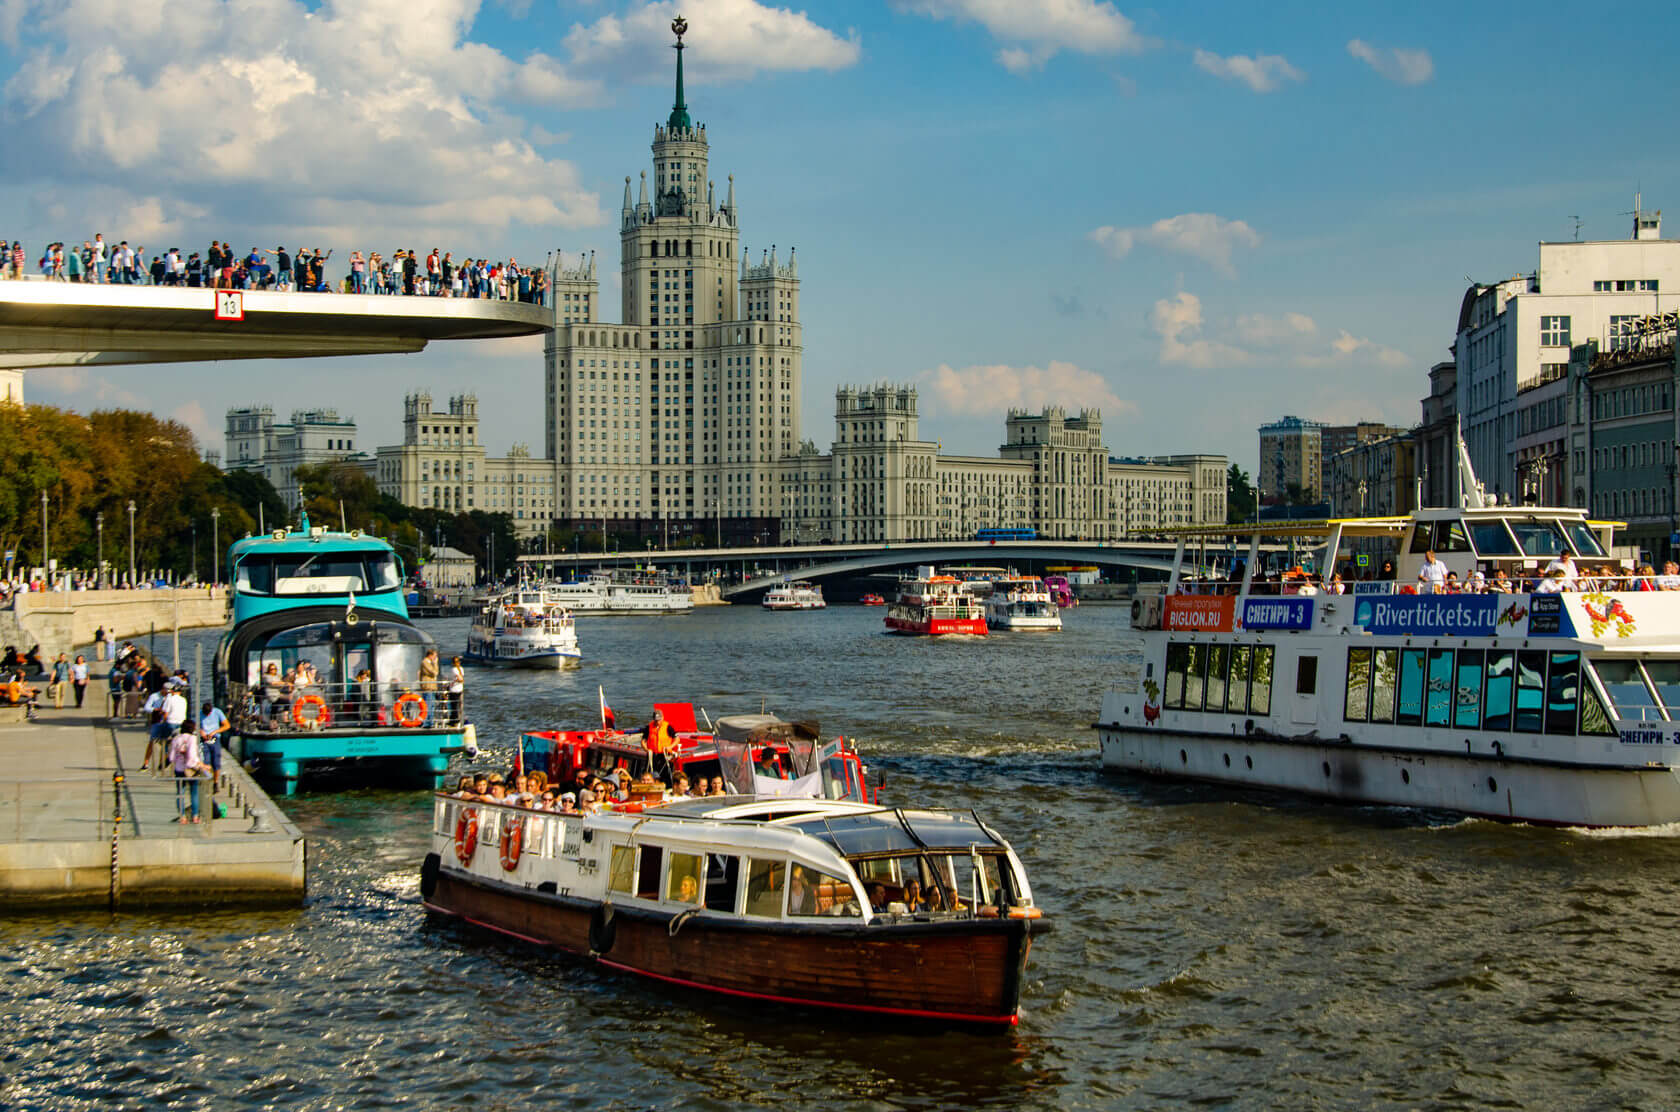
(60, 620)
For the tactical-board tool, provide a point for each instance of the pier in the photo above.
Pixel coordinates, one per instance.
(83, 824)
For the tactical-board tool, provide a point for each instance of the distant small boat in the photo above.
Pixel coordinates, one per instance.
(872, 599)
(798, 595)
(524, 627)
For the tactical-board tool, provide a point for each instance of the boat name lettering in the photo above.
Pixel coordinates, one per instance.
(1289, 613)
(1650, 737)
(1473, 615)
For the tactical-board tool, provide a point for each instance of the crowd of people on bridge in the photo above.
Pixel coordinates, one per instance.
(404, 272)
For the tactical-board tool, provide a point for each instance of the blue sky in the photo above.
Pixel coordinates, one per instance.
(1197, 219)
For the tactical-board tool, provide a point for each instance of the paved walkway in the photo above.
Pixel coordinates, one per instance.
(60, 798)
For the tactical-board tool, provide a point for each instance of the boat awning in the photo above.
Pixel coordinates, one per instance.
(1349, 526)
(888, 831)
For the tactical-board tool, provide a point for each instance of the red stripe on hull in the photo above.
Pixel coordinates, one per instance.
(970, 975)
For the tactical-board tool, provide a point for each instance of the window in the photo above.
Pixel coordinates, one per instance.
(723, 875)
(1554, 331)
(1236, 691)
(1357, 705)
(1409, 706)
(1260, 684)
(1306, 675)
(1467, 693)
(1496, 711)
(1437, 704)
(647, 879)
(765, 886)
(1563, 689)
(1383, 665)
(1218, 660)
(622, 872)
(682, 884)
(1624, 682)
(1665, 677)
(1622, 329)
(811, 893)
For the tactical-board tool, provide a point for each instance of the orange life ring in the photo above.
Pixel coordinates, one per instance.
(321, 717)
(410, 699)
(513, 836)
(466, 835)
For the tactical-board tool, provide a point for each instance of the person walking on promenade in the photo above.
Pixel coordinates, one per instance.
(212, 724)
(79, 677)
(184, 759)
(60, 676)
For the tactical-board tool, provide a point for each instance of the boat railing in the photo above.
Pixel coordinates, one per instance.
(1525, 583)
(341, 707)
(546, 834)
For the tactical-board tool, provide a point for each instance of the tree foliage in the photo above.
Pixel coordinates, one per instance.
(1241, 499)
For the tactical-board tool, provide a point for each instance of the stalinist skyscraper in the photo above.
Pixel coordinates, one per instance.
(677, 415)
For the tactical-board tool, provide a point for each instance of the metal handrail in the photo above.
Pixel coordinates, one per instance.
(282, 708)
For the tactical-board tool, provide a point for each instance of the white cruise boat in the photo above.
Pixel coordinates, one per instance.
(1021, 602)
(798, 595)
(1537, 705)
(525, 628)
(640, 591)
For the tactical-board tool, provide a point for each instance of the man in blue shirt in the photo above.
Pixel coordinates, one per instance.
(212, 724)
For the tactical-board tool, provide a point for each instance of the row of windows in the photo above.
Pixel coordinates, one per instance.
(1526, 691)
(1630, 400)
(1644, 453)
(1626, 285)
(1220, 679)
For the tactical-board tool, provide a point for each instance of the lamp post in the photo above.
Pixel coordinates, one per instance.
(195, 550)
(131, 543)
(46, 570)
(99, 524)
(1362, 489)
(215, 544)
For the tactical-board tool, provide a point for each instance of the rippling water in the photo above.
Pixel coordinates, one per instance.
(1211, 948)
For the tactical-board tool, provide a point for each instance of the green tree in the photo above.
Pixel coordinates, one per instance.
(1241, 499)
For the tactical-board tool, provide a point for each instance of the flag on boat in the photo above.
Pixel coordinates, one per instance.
(608, 719)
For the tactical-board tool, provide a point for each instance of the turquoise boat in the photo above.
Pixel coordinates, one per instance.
(320, 669)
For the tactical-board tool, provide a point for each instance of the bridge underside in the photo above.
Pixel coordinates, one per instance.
(47, 324)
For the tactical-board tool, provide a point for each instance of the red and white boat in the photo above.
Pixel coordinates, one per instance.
(872, 599)
(935, 606)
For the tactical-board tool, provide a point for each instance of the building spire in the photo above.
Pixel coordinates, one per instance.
(679, 111)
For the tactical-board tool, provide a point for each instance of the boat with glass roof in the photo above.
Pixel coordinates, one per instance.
(1553, 697)
(818, 899)
(321, 667)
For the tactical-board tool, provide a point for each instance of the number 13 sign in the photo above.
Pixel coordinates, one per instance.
(230, 305)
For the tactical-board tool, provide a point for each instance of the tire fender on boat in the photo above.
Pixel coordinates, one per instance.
(603, 931)
(429, 875)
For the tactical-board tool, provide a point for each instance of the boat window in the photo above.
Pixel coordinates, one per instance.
(1594, 721)
(1665, 677)
(1450, 537)
(1260, 686)
(1467, 696)
(1409, 710)
(1437, 704)
(765, 885)
(1496, 713)
(1306, 675)
(1531, 692)
(1539, 538)
(1218, 660)
(1383, 665)
(1177, 660)
(1357, 706)
(1236, 692)
(1492, 538)
(1585, 540)
(621, 877)
(682, 883)
(811, 893)
(1563, 689)
(1423, 537)
(319, 573)
(647, 877)
(723, 881)
(1195, 669)
(1624, 682)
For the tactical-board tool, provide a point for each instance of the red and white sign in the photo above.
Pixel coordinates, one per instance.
(230, 305)
(1200, 613)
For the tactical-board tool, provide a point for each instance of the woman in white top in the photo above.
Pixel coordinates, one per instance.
(79, 677)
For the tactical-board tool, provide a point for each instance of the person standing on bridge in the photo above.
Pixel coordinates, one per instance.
(410, 267)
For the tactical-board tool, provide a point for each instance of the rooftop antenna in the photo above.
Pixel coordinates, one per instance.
(1577, 220)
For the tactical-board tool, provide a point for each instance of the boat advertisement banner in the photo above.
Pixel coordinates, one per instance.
(1547, 617)
(1278, 613)
(1199, 613)
(1455, 615)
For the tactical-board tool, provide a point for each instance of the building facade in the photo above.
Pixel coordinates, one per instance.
(1514, 337)
(1374, 478)
(441, 464)
(256, 442)
(1291, 454)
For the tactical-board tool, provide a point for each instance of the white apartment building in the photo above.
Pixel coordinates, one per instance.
(441, 464)
(255, 442)
(1513, 341)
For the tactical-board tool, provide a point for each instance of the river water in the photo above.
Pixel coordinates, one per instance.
(1211, 948)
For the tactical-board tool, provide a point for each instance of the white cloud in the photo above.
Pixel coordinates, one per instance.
(1035, 30)
(1290, 338)
(1263, 73)
(1398, 64)
(980, 391)
(301, 119)
(1201, 235)
(731, 40)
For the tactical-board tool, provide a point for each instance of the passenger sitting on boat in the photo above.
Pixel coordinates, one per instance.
(1336, 587)
(498, 789)
(621, 788)
(1452, 586)
(689, 890)
(717, 787)
(1501, 583)
(1478, 582)
(274, 699)
(520, 796)
(1551, 584)
(878, 897)
(913, 896)
(464, 789)
(680, 789)
(802, 899)
(935, 899)
(1669, 580)
(568, 803)
(1647, 580)
(1571, 574)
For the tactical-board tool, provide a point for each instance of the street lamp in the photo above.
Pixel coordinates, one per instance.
(215, 544)
(99, 523)
(131, 543)
(45, 570)
(195, 550)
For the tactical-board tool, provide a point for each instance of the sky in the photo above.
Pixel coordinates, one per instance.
(1194, 219)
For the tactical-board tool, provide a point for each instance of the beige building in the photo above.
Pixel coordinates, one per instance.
(441, 464)
(256, 442)
(1291, 454)
(881, 482)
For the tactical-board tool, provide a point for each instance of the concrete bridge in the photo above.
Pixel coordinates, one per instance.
(60, 620)
(757, 569)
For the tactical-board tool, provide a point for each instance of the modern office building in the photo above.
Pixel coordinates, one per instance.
(256, 442)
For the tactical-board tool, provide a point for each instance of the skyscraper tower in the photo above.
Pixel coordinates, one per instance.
(679, 414)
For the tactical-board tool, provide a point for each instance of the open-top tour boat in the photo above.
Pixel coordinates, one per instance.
(524, 628)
